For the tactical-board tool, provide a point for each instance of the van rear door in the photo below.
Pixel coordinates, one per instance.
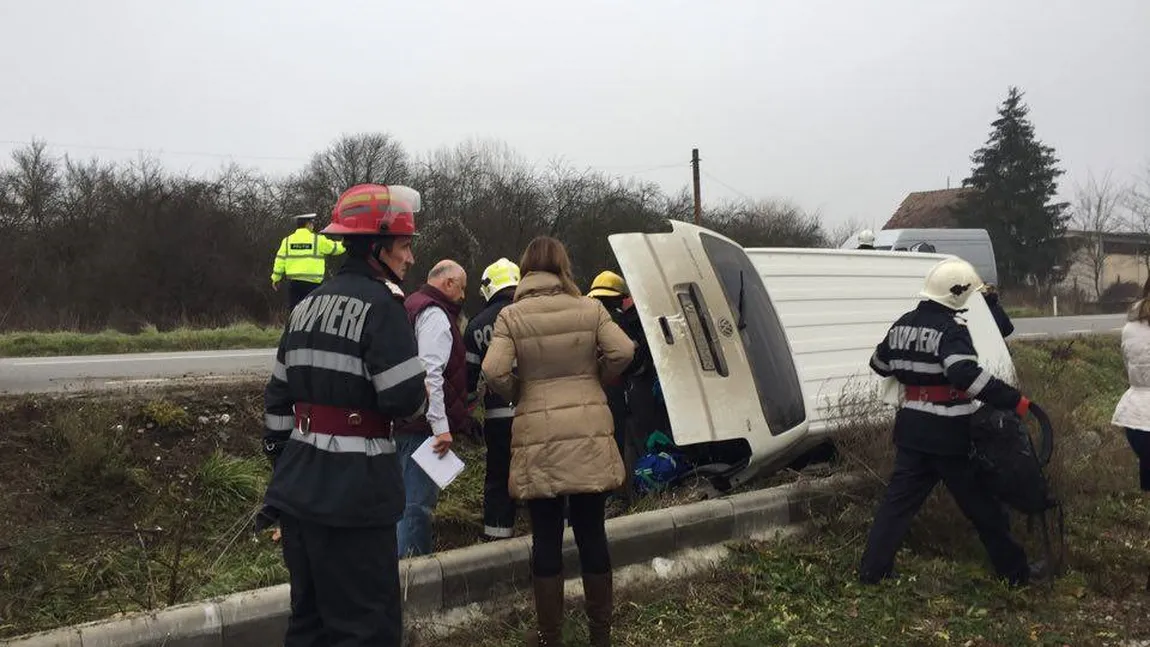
(722, 356)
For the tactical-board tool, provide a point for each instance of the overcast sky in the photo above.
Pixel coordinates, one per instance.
(842, 106)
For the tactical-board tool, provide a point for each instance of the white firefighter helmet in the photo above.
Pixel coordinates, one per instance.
(951, 282)
(866, 237)
(498, 276)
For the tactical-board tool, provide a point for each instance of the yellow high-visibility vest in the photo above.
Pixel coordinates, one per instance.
(301, 256)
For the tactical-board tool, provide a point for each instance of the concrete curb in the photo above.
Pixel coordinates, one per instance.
(458, 577)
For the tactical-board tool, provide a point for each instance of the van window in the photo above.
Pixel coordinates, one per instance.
(764, 340)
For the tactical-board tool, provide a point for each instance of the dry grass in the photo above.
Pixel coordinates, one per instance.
(804, 592)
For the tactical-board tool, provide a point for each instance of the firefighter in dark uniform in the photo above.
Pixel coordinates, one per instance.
(498, 289)
(611, 289)
(930, 352)
(346, 369)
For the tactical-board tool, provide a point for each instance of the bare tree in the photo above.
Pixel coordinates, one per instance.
(767, 223)
(841, 232)
(95, 245)
(353, 159)
(1096, 214)
(35, 183)
(1138, 211)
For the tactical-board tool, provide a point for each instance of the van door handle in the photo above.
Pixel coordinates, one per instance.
(666, 328)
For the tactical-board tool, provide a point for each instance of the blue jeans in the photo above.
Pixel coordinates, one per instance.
(414, 529)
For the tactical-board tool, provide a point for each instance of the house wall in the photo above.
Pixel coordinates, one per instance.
(1117, 268)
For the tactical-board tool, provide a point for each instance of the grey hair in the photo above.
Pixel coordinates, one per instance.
(445, 269)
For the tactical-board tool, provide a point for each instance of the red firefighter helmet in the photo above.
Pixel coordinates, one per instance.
(374, 210)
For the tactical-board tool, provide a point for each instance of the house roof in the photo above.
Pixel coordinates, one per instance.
(926, 210)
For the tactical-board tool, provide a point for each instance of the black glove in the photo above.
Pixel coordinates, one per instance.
(266, 518)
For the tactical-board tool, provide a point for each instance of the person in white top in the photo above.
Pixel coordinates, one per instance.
(1133, 410)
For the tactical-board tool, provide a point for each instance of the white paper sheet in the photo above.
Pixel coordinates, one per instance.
(442, 470)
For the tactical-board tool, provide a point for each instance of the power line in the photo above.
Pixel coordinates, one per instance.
(712, 177)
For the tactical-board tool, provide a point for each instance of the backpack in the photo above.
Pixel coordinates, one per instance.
(661, 467)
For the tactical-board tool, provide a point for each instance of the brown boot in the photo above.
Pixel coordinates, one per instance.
(597, 591)
(548, 612)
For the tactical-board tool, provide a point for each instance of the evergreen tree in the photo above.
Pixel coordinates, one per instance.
(1010, 194)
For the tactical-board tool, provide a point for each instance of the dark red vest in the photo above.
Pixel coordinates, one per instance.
(455, 373)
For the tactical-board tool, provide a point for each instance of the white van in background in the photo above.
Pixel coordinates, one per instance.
(971, 245)
(753, 348)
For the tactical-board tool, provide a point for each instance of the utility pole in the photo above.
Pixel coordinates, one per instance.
(695, 175)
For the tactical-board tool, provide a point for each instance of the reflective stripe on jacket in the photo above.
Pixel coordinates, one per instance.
(347, 345)
(301, 256)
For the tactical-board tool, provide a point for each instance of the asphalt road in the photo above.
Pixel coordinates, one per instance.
(63, 374)
(1067, 326)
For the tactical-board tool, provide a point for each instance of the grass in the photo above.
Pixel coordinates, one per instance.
(1016, 312)
(804, 591)
(113, 505)
(40, 344)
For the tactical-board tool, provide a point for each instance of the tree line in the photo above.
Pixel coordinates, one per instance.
(91, 244)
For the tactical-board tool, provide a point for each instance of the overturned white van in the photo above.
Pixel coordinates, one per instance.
(755, 348)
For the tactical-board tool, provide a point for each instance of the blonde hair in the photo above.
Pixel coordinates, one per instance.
(1140, 311)
(547, 254)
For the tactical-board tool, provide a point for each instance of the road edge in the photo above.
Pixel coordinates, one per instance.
(463, 576)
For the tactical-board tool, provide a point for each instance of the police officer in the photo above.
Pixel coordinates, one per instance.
(930, 352)
(866, 239)
(497, 286)
(346, 369)
(300, 259)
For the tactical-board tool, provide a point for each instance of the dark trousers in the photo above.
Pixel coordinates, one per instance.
(498, 508)
(1140, 442)
(915, 475)
(344, 585)
(298, 290)
(587, 520)
(617, 402)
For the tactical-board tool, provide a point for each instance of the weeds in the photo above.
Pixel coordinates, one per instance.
(165, 414)
(157, 538)
(92, 456)
(804, 592)
(225, 481)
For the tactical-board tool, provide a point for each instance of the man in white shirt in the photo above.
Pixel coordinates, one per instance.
(434, 311)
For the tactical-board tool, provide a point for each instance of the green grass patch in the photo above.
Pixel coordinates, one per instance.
(804, 591)
(114, 504)
(1022, 312)
(37, 344)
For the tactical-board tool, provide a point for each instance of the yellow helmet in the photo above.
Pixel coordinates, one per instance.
(498, 276)
(608, 284)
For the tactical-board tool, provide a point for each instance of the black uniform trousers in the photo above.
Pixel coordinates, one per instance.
(344, 585)
(498, 508)
(915, 475)
(298, 291)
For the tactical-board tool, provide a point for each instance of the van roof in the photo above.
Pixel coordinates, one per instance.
(936, 234)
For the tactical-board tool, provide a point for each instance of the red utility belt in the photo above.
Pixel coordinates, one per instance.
(341, 421)
(940, 393)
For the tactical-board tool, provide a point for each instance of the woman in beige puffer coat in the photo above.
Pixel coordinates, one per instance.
(550, 353)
